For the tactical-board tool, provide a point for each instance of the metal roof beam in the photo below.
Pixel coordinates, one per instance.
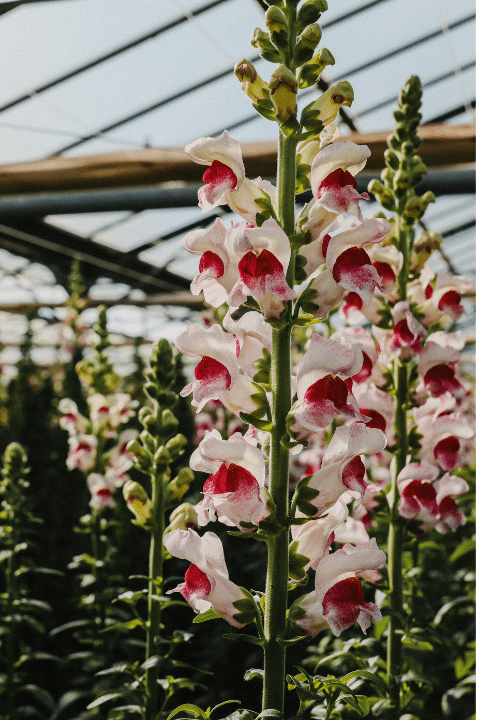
(441, 182)
(442, 145)
(40, 242)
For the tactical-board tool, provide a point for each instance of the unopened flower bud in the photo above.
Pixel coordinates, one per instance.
(306, 43)
(169, 422)
(414, 208)
(423, 248)
(311, 70)
(138, 501)
(181, 483)
(175, 446)
(262, 41)
(310, 11)
(310, 36)
(401, 179)
(330, 101)
(283, 88)
(252, 83)
(184, 517)
(275, 20)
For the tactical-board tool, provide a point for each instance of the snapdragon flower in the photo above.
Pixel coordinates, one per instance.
(265, 255)
(332, 176)
(207, 583)
(349, 262)
(342, 468)
(431, 501)
(337, 600)
(321, 390)
(235, 491)
(217, 375)
(225, 181)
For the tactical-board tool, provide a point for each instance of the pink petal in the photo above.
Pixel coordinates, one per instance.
(353, 271)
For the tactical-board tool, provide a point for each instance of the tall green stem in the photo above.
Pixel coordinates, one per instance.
(155, 589)
(278, 546)
(396, 528)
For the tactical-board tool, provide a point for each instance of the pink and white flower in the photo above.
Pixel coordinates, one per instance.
(82, 452)
(235, 490)
(438, 363)
(266, 253)
(349, 262)
(332, 176)
(218, 270)
(217, 375)
(101, 491)
(207, 583)
(443, 435)
(378, 406)
(252, 334)
(71, 419)
(431, 501)
(338, 600)
(314, 538)
(321, 390)
(342, 468)
(225, 181)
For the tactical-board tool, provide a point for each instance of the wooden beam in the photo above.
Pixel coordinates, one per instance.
(443, 146)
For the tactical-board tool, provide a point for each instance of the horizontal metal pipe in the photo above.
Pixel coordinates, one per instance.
(441, 182)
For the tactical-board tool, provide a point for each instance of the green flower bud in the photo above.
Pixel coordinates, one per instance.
(181, 483)
(252, 84)
(330, 101)
(310, 36)
(283, 89)
(306, 43)
(267, 50)
(310, 12)
(183, 517)
(311, 70)
(169, 422)
(175, 445)
(401, 179)
(423, 248)
(414, 208)
(143, 457)
(138, 501)
(275, 20)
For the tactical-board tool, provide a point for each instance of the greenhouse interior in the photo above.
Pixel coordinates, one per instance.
(237, 302)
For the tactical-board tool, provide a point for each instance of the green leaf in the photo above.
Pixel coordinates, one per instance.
(251, 419)
(254, 673)
(104, 699)
(197, 711)
(359, 703)
(207, 615)
(368, 676)
(153, 661)
(44, 697)
(70, 626)
(463, 548)
(413, 643)
(243, 636)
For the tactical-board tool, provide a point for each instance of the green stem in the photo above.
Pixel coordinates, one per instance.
(278, 546)
(395, 540)
(11, 633)
(154, 590)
